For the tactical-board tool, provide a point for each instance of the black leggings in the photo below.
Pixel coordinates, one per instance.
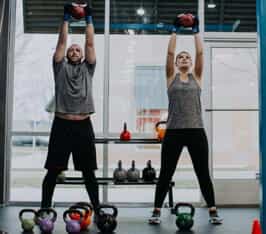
(49, 183)
(197, 144)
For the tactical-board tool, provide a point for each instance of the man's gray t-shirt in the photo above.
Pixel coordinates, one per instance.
(73, 87)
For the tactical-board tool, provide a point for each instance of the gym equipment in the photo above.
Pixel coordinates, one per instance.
(61, 177)
(78, 11)
(125, 134)
(133, 173)
(45, 219)
(88, 215)
(106, 222)
(184, 220)
(120, 174)
(86, 210)
(148, 173)
(186, 20)
(160, 131)
(72, 226)
(186, 24)
(27, 224)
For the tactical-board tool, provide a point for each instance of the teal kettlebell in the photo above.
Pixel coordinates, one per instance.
(184, 219)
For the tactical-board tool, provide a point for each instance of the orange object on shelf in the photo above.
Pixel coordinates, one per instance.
(160, 131)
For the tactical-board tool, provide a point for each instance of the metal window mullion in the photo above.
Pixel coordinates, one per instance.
(7, 38)
(201, 12)
(106, 93)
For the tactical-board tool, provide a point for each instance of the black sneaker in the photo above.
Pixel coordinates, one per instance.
(215, 218)
(155, 218)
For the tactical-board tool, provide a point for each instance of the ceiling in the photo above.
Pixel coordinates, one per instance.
(44, 16)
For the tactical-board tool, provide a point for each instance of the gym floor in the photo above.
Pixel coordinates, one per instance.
(134, 220)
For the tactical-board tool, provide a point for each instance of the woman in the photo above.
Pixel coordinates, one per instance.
(184, 123)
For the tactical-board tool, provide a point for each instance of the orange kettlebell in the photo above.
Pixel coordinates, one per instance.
(87, 213)
(76, 216)
(159, 130)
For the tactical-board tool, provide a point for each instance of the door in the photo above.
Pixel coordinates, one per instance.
(231, 115)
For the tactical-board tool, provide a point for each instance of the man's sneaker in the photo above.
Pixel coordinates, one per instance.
(155, 218)
(215, 218)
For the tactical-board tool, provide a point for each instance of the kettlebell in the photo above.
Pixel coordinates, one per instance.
(72, 226)
(27, 224)
(186, 20)
(78, 11)
(160, 131)
(148, 173)
(45, 219)
(133, 174)
(184, 220)
(120, 174)
(125, 134)
(86, 211)
(106, 222)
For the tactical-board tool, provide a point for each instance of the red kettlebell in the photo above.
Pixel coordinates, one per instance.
(125, 135)
(187, 20)
(78, 11)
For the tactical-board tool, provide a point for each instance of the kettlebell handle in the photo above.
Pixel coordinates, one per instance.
(26, 211)
(102, 206)
(184, 204)
(159, 123)
(69, 211)
(48, 210)
(87, 205)
(79, 207)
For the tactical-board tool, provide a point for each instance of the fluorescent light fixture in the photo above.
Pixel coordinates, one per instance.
(211, 4)
(140, 11)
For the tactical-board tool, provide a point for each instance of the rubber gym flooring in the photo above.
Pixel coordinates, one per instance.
(134, 221)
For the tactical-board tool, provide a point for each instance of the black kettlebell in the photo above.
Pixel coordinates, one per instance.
(184, 220)
(106, 222)
(133, 174)
(45, 219)
(27, 224)
(148, 173)
(120, 174)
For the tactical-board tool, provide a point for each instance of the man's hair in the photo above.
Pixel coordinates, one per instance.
(69, 49)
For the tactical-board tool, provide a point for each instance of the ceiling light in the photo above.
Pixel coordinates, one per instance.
(211, 4)
(140, 11)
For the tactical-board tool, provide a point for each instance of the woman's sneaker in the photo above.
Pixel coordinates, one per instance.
(215, 218)
(155, 218)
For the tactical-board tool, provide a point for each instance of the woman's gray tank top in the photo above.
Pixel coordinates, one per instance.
(184, 109)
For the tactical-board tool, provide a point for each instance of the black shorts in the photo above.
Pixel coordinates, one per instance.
(71, 136)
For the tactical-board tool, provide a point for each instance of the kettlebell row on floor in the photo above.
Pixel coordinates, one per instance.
(79, 216)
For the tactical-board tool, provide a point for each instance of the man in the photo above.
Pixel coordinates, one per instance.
(72, 131)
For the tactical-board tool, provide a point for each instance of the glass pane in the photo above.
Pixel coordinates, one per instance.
(33, 89)
(27, 173)
(235, 144)
(147, 17)
(186, 186)
(234, 78)
(44, 16)
(230, 16)
(34, 82)
(137, 80)
(235, 133)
